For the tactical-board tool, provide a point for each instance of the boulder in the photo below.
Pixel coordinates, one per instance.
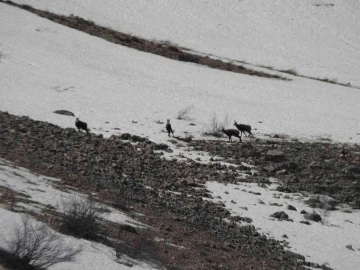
(64, 112)
(313, 216)
(280, 215)
(292, 208)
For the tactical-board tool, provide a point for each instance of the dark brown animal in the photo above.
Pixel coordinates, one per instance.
(231, 132)
(243, 128)
(82, 125)
(169, 128)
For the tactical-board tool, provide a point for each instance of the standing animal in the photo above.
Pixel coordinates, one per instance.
(243, 128)
(82, 125)
(231, 132)
(169, 128)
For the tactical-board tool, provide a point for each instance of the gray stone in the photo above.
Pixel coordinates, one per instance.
(280, 215)
(64, 112)
(292, 208)
(313, 216)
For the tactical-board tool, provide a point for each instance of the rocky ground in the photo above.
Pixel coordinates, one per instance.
(129, 172)
(319, 168)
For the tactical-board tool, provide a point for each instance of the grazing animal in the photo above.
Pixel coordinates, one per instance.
(82, 125)
(169, 128)
(243, 128)
(231, 132)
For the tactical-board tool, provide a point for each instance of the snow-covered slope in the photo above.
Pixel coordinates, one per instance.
(47, 67)
(333, 242)
(93, 256)
(318, 38)
(37, 193)
(41, 192)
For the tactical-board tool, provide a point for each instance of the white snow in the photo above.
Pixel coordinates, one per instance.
(318, 41)
(45, 67)
(93, 255)
(41, 191)
(323, 243)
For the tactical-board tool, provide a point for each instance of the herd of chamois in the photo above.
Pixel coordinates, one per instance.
(241, 128)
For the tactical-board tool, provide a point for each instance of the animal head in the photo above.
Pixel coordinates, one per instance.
(235, 123)
(168, 120)
(77, 119)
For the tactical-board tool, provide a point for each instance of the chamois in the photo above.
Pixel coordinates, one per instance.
(169, 128)
(82, 125)
(243, 128)
(231, 132)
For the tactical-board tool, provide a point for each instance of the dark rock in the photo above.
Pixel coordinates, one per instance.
(292, 208)
(64, 112)
(128, 228)
(275, 204)
(274, 135)
(255, 193)
(161, 146)
(313, 216)
(125, 136)
(280, 215)
(305, 222)
(246, 219)
(283, 189)
(136, 138)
